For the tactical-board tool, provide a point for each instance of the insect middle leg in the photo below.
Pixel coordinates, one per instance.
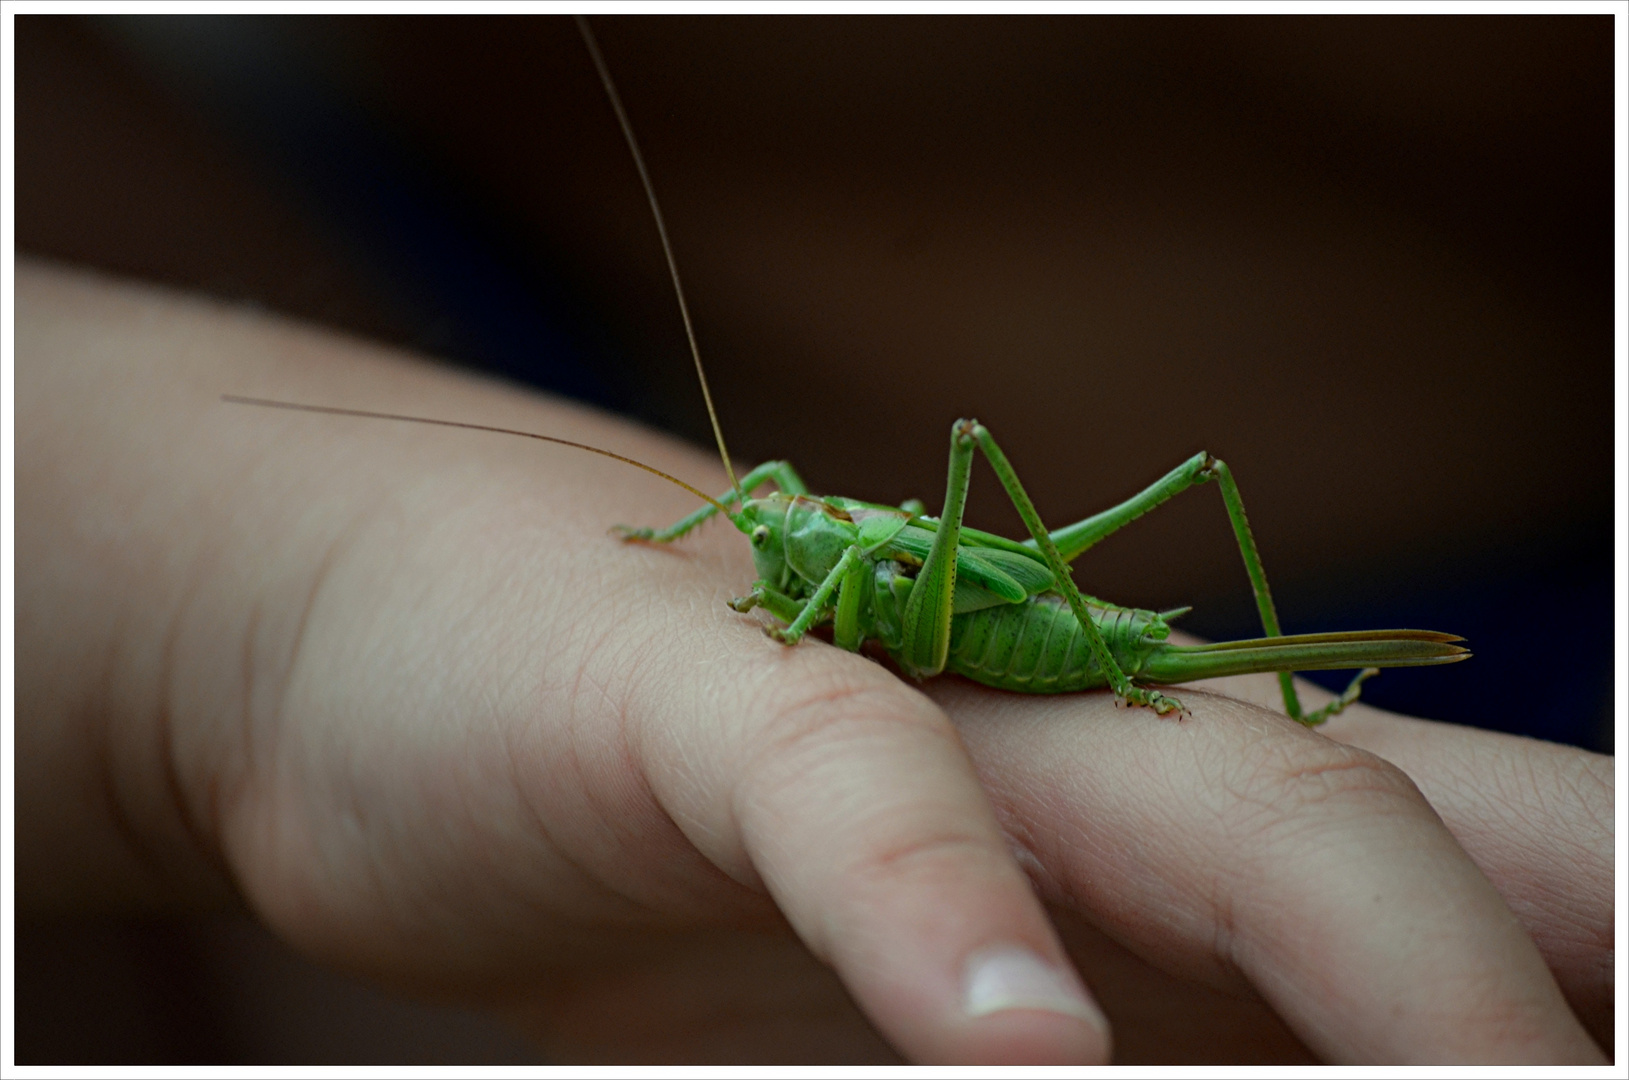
(846, 581)
(780, 473)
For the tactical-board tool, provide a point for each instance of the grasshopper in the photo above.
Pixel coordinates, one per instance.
(939, 596)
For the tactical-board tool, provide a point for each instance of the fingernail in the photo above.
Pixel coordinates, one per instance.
(1004, 977)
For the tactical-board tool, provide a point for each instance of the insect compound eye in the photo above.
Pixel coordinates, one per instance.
(760, 536)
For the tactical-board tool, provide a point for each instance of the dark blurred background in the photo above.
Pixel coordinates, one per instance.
(1366, 260)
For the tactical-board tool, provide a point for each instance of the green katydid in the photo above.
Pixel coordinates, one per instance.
(940, 596)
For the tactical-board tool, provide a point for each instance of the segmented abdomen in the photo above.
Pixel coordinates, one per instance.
(1038, 648)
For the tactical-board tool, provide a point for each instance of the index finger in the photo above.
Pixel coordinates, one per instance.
(849, 797)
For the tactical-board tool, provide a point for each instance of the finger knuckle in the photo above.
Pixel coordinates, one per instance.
(829, 715)
(918, 855)
(1288, 783)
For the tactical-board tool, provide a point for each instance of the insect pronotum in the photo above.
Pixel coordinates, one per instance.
(939, 596)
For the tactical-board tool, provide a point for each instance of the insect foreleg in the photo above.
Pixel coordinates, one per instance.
(816, 606)
(1118, 682)
(846, 624)
(780, 473)
(772, 600)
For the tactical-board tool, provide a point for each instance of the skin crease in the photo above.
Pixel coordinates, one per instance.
(398, 693)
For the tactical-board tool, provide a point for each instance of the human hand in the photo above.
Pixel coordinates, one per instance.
(1145, 931)
(404, 695)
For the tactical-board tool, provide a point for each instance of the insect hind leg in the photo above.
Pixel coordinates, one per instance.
(1218, 470)
(1071, 540)
(1122, 686)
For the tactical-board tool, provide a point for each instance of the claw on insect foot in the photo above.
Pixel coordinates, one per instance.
(628, 532)
(1153, 699)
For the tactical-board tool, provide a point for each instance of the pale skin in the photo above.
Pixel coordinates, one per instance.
(398, 691)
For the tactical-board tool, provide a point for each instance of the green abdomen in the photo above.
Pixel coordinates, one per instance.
(1038, 648)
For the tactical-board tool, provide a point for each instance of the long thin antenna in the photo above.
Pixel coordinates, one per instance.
(235, 399)
(667, 248)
